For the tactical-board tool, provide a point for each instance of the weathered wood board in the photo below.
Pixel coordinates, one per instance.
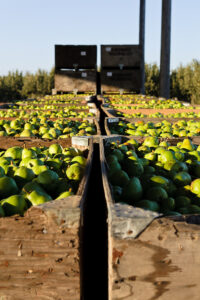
(149, 256)
(116, 80)
(75, 56)
(68, 81)
(121, 56)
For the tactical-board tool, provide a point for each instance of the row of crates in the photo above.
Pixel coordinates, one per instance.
(106, 81)
(76, 68)
(85, 57)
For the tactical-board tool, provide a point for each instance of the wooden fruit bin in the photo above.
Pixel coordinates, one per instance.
(90, 120)
(109, 112)
(40, 253)
(84, 105)
(150, 256)
(109, 121)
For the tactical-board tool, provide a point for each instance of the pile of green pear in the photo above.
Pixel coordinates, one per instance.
(46, 106)
(127, 99)
(155, 175)
(71, 98)
(37, 175)
(158, 114)
(62, 113)
(142, 101)
(45, 128)
(165, 129)
(168, 104)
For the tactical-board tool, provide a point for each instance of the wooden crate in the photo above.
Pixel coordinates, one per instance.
(116, 80)
(75, 56)
(108, 121)
(40, 253)
(81, 81)
(112, 112)
(150, 257)
(121, 56)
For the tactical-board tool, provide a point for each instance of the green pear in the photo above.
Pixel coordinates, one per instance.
(24, 162)
(2, 212)
(35, 162)
(2, 172)
(63, 185)
(182, 178)
(182, 201)
(14, 152)
(8, 187)
(30, 187)
(75, 172)
(39, 169)
(48, 179)
(55, 149)
(47, 136)
(117, 192)
(119, 154)
(23, 175)
(149, 205)
(119, 178)
(15, 204)
(26, 133)
(133, 191)
(157, 194)
(28, 153)
(64, 195)
(195, 186)
(79, 159)
(133, 167)
(37, 197)
(188, 145)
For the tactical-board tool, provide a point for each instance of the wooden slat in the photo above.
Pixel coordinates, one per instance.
(75, 56)
(114, 80)
(82, 81)
(112, 56)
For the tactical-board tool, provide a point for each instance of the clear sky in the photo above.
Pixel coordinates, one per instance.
(29, 29)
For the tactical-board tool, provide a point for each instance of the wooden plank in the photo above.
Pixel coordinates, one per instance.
(82, 81)
(162, 263)
(128, 56)
(126, 80)
(75, 56)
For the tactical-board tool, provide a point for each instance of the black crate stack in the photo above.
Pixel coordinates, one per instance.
(121, 68)
(75, 68)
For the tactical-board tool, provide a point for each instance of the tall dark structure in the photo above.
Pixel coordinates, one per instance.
(142, 42)
(165, 49)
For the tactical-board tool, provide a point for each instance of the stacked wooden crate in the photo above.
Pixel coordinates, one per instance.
(121, 68)
(75, 68)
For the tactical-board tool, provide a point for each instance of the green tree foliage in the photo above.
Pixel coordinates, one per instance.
(185, 83)
(18, 86)
(152, 74)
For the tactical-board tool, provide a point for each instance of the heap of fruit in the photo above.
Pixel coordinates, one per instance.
(165, 129)
(155, 175)
(46, 106)
(9, 113)
(191, 114)
(46, 129)
(36, 175)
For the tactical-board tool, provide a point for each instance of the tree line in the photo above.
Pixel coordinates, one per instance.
(185, 83)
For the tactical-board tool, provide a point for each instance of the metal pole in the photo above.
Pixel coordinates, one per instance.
(165, 49)
(142, 42)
